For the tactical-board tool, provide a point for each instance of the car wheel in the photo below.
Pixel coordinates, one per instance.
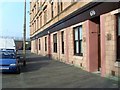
(18, 70)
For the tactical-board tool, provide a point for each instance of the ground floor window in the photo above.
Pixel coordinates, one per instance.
(45, 43)
(55, 43)
(39, 45)
(118, 37)
(78, 49)
(62, 41)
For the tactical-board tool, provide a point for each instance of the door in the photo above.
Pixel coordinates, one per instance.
(96, 20)
(118, 38)
(99, 47)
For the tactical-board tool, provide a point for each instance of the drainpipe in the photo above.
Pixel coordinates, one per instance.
(49, 45)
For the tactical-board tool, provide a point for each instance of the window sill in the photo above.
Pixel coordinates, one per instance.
(78, 55)
(117, 64)
(54, 52)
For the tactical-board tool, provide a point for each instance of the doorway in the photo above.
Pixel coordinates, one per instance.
(96, 21)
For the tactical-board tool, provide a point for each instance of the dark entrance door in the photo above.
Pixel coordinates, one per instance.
(96, 20)
(36, 42)
(118, 38)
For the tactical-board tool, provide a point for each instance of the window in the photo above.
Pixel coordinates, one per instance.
(55, 43)
(52, 12)
(45, 16)
(118, 38)
(62, 40)
(35, 9)
(45, 43)
(39, 45)
(78, 41)
(37, 23)
(33, 28)
(60, 6)
(40, 3)
(37, 4)
(40, 21)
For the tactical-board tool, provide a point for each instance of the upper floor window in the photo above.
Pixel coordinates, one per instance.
(37, 23)
(35, 9)
(52, 11)
(119, 25)
(40, 3)
(40, 19)
(45, 16)
(60, 6)
(78, 49)
(55, 43)
(118, 37)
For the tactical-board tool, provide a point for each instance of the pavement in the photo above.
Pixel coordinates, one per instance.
(42, 72)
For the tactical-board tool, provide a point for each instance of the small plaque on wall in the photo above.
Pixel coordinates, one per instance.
(109, 37)
(84, 39)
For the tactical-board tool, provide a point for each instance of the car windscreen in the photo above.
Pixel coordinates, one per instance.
(7, 55)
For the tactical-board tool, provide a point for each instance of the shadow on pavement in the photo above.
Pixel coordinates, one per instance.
(34, 62)
(37, 59)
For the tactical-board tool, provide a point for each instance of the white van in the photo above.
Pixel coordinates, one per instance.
(6, 43)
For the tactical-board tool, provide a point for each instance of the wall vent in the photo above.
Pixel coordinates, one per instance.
(81, 64)
(113, 73)
(72, 62)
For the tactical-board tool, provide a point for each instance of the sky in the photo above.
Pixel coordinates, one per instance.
(12, 18)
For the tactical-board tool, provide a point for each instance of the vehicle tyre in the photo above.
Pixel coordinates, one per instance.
(18, 70)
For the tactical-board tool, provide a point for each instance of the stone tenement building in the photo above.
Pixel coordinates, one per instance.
(83, 34)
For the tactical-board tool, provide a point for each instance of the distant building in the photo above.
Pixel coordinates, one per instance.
(19, 45)
(84, 34)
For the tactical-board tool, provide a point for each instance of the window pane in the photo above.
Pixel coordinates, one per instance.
(55, 38)
(55, 42)
(62, 36)
(39, 44)
(81, 48)
(119, 25)
(77, 47)
(80, 32)
(76, 34)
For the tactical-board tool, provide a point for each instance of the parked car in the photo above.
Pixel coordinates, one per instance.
(8, 58)
(9, 61)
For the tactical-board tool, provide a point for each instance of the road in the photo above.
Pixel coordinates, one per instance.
(42, 72)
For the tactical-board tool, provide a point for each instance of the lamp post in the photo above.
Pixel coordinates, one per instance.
(24, 37)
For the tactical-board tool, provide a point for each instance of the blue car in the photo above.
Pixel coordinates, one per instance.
(9, 61)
